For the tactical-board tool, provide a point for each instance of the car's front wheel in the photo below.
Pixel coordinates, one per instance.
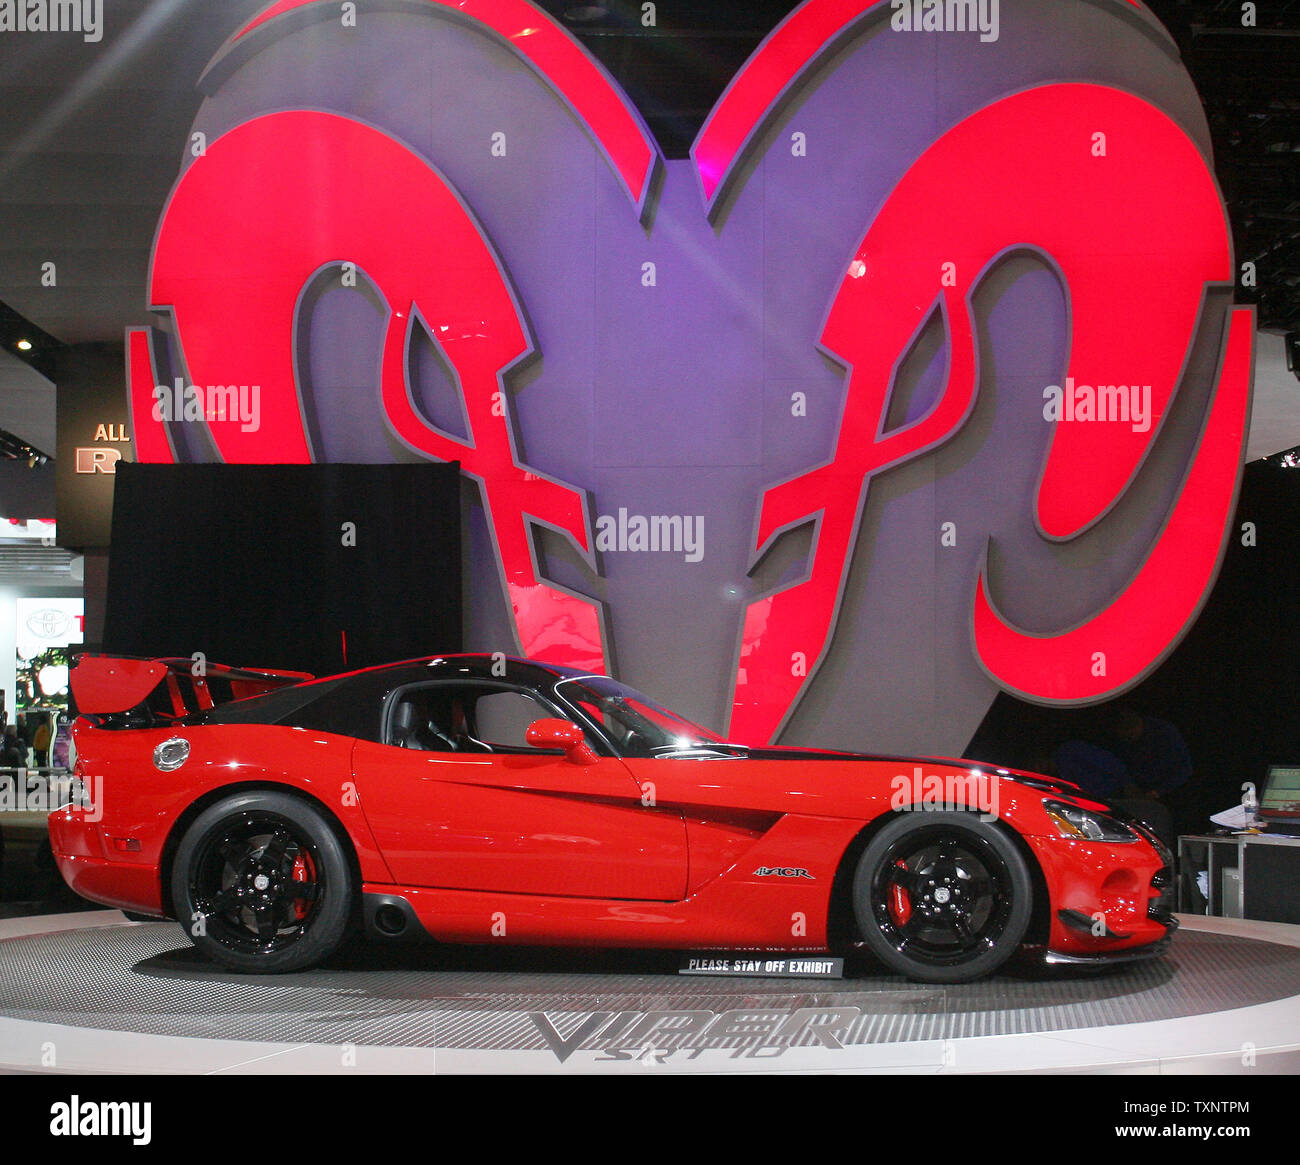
(942, 897)
(262, 883)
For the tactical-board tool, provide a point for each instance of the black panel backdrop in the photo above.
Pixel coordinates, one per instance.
(249, 564)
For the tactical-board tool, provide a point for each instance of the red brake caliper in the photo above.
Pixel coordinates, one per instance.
(900, 902)
(302, 872)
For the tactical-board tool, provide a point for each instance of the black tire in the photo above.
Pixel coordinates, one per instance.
(269, 879)
(965, 903)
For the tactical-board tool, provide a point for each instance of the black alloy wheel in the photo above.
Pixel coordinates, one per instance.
(942, 897)
(262, 883)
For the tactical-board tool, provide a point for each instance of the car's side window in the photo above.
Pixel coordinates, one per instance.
(463, 717)
(503, 718)
(421, 719)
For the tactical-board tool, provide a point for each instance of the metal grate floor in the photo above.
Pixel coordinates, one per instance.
(148, 979)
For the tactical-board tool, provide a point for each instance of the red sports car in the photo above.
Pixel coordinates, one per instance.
(480, 799)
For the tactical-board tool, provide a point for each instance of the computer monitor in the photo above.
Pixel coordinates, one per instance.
(1279, 800)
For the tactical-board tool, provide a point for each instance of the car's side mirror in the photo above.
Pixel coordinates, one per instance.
(556, 733)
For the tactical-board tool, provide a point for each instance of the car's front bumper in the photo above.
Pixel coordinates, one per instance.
(1107, 899)
(1108, 958)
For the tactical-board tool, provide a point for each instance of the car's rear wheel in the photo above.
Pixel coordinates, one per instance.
(942, 897)
(262, 883)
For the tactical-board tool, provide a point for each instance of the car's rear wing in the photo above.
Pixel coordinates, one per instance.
(156, 691)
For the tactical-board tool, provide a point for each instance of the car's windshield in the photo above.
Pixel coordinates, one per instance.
(635, 723)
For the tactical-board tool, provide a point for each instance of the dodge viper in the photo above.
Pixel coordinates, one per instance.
(483, 799)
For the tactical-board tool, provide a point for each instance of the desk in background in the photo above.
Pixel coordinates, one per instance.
(1250, 876)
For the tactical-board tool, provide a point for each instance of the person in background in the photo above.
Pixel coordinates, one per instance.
(1096, 770)
(24, 726)
(41, 742)
(1137, 763)
(14, 754)
(1154, 753)
(1138, 757)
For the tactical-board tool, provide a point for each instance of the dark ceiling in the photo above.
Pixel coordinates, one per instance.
(1249, 82)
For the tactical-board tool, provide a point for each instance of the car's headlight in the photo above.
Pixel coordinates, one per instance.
(1087, 824)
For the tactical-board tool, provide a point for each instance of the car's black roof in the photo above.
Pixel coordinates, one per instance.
(350, 703)
(480, 665)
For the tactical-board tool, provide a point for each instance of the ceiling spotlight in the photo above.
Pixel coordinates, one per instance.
(24, 345)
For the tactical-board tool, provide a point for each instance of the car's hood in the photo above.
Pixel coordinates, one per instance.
(1038, 781)
(1033, 780)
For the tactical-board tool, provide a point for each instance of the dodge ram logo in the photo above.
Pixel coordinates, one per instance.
(831, 371)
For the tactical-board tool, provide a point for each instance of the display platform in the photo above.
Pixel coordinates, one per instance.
(96, 993)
